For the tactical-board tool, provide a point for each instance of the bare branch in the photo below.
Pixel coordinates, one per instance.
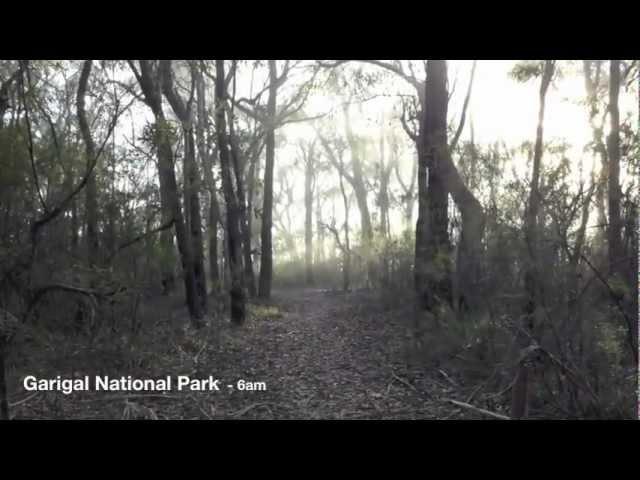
(463, 117)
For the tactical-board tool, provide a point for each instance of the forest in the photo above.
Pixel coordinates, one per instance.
(319, 239)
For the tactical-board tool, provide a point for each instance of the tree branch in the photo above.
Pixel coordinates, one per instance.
(463, 117)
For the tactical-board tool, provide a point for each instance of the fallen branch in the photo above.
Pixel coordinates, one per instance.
(128, 243)
(24, 400)
(477, 409)
(243, 411)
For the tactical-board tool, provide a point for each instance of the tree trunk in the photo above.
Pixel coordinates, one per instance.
(592, 80)
(360, 191)
(238, 170)
(308, 215)
(238, 298)
(346, 253)
(532, 285)
(613, 146)
(195, 218)
(432, 263)
(150, 80)
(191, 184)
(91, 205)
(266, 259)
(319, 254)
(185, 244)
(207, 167)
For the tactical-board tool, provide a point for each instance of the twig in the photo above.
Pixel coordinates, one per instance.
(26, 399)
(405, 382)
(447, 377)
(241, 412)
(192, 397)
(477, 409)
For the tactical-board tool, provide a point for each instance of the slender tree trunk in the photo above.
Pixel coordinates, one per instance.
(613, 146)
(346, 253)
(320, 231)
(592, 80)
(519, 398)
(91, 205)
(308, 214)
(360, 191)
(195, 218)
(238, 170)
(238, 298)
(185, 244)
(266, 259)
(207, 167)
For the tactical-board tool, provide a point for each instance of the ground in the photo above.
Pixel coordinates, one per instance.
(321, 355)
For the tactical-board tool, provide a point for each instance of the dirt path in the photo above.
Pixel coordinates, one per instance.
(326, 358)
(310, 353)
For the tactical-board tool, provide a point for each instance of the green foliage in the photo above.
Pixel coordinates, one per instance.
(527, 70)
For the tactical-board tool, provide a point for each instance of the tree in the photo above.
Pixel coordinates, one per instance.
(91, 189)
(149, 76)
(308, 158)
(237, 294)
(271, 119)
(613, 147)
(207, 167)
(266, 257)
(193, 221)
(432, 264)
(532, 282)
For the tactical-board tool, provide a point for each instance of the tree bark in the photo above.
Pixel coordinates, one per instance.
(91, 201)
(238, 170)
(432, 262)
(613, 146)
(150, 80)
(238, 297)
(266, 258)
(207, 167)
(191, 183)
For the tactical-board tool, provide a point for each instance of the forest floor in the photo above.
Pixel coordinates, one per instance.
(308, 353)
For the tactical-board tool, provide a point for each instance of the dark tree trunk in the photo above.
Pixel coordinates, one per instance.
(195, 218)
(613, 146)
(207, 167)
(519, 398)
(432, 262)
(192, 215)
(150, 80)
(238, 298)
(266, 258)
(238, 170)
(185, 244)
(91, 205)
